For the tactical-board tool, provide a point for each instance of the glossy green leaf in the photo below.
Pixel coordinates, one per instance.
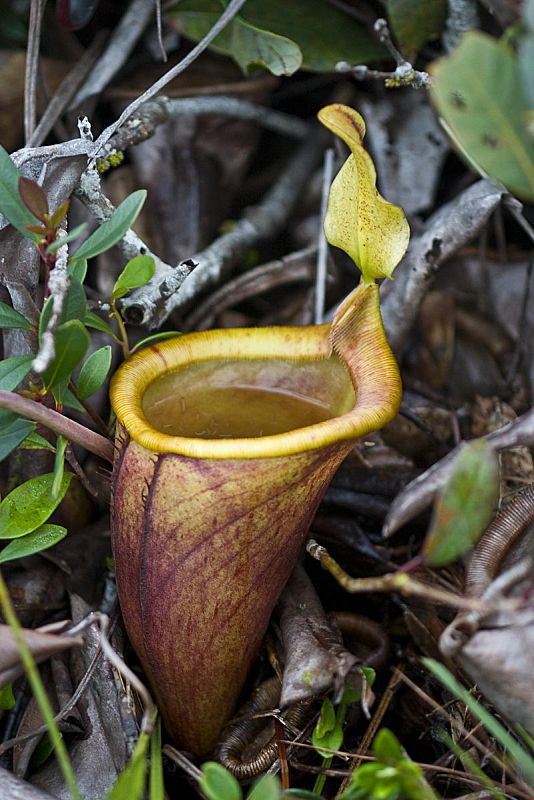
(416, 22)
(266, 788)
(28, 506)
(94, 372)
(92, 320)
(9, 318)
(130, 785)
(216, 783)
(74, 306)
(72, 341)
(478, 92)
(59, 467)
(249, 45)
(35, 542)
(13, 431)
(77, 269)
(387, 747)
(11, 206)
(112, 231)
(328, 731)
(34, 441)
(373, 232)
(70, 401)
(137, 272)
(323, 33)
(33, 197)
(464, 506)
(13, 370)
(69, 237)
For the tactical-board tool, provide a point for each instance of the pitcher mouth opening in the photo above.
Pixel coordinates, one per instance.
(359, 410)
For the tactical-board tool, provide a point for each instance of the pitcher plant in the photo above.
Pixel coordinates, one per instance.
(226, 441)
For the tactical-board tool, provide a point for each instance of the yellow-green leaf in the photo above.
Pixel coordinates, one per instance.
(373, 232)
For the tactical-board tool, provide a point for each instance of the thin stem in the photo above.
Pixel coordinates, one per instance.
(123, 340)
(97, 419)
(399, 582)
(29, 409)
(39, 691)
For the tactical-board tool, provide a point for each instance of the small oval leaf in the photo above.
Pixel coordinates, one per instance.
(112, 231)
(217, 783)
(72, 341)
(13, 370)
(137, 272)
(33, 197)
(40, 539)
(28, 506)
(13, 431)
(9, 318)
(94, 371)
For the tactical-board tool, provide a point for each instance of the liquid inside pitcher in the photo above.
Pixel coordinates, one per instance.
(241, 398)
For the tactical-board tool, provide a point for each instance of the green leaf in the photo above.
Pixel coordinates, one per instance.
(7, 698)
(70, 401)
(137, 272)
(157, 789)
(112, 231)
(72, 341)
(77, 269)
(416, 22)
(73, 234)
(34, 441)
(130, 785)
(323, 33)
(13, 370)
(59, 466)
(155, 337)
(11, 206)
(387, 747)
(266, 788)
(28, 506)
(74, 307)
(464, 506)
(479, 94)
(9, 318)
(13, 431)
(92, 320)
(35, 542)
(33, 197)
(249, 45)
(328, 731)
(94, 371)
(217, 783)
(304, 794)
(523, 760)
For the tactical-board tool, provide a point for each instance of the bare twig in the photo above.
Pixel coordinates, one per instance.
(65, 91)
(228, 14)
(32, 65)
(14, 788)
(447, 230)
(400, 582)
(119, 47)
(462, 17)
(155, 112)
(56, 422)
(58, 284)
(293, 268)
(168, 290)
(322, 244)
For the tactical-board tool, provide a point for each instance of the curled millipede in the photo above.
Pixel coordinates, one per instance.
(355, 626)
(239, 736)
(509, 524)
